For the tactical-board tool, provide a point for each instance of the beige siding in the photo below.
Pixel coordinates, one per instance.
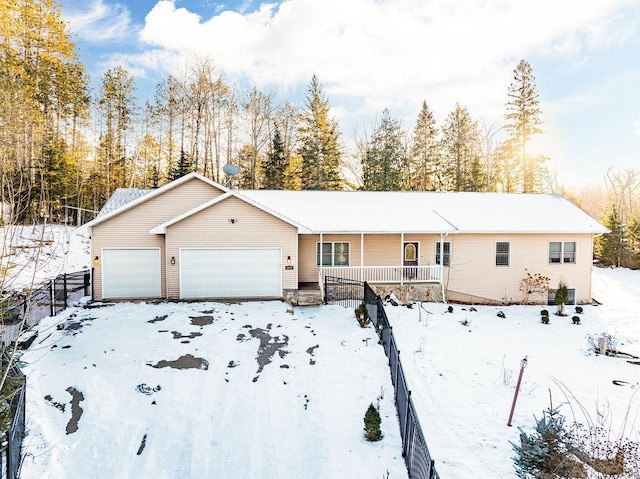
(131, 228)
(473, 270)
(211, 228)
(307, 244)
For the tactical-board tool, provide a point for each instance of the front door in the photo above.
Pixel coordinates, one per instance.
(410, 254)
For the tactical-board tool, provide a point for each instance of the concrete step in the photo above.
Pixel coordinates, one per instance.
(309, 298)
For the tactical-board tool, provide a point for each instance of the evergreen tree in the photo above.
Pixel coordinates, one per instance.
(461, 148)
(116, 102)
(276, 163)
(523, 121)
(385, 156)
(182, 168)
(547, 453)
(372, 422)
(612, 249)
(319, 140)
(426, 166)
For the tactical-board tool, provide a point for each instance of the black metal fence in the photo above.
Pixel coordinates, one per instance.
(414, 447)
(47, 300)
(11, 445)
(345, 292)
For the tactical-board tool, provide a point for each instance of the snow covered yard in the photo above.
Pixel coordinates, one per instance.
(195, 390)
(463, 367)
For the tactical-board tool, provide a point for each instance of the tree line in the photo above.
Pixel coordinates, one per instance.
(64, 151)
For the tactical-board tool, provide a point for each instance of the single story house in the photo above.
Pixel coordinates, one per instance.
(196, 239)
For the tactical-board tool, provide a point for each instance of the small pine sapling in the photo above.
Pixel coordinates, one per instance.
(562, 297)
(544, 319)
(372, 422)
(579, 309)
(576, 319)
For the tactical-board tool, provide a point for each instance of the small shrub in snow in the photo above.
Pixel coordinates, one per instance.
(501, 314)
(576, 319)
(544, 319)
(449, 309)
(362, 315)
(372, 422)
(579, 309)
(544, 312)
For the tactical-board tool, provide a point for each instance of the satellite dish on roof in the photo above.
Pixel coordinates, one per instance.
(230, 170)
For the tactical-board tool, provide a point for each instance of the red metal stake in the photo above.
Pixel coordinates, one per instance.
(523, 364)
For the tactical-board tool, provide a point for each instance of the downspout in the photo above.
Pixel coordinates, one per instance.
(402, 258)
(442, 235)
(361, 256)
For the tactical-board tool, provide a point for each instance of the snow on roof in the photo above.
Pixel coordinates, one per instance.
(121, 197)
(419, 212)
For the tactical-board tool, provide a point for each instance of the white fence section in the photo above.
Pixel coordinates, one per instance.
(386, 274)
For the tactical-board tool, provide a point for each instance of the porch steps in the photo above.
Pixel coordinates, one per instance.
(309, 297)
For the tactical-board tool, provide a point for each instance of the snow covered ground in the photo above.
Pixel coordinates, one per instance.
(463, 376)
(198, 390)
(299, 419)
(32, 254)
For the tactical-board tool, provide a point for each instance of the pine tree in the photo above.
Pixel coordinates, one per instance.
(182, 168)
(372, 422)
(545, 454)
(319, 139)
(276, 163)
(523, 121)
(385, 156)
(426, 166)
(612, 249)
(460, 143)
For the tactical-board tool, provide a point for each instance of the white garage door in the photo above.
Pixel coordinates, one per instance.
(131, 273)
(230, 273)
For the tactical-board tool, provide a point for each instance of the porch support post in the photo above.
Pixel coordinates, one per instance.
(320, 259)
(444, 300)
(401, 258)
(361, 256)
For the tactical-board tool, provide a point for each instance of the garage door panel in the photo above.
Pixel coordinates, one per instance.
(131, 273)
(230, 273)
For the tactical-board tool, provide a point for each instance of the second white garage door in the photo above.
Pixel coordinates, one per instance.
(230, 273)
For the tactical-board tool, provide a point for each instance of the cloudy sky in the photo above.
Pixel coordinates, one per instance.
(376, 54)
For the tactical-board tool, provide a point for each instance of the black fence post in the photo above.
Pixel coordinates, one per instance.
(52, 297)
(405, 433)
(87, 283)
(65, 290)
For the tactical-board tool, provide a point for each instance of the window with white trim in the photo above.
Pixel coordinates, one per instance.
(502, 253)
(333, 254)
(562, 252)
(446, 259)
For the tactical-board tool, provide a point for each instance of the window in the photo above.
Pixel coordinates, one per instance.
(502, 253)
(446, 260)
(333, 254)
(560, 252)
(551, 299)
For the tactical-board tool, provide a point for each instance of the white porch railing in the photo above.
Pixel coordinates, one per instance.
(386, 274)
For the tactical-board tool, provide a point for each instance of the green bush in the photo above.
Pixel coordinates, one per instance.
(362, 315)
(372, 424)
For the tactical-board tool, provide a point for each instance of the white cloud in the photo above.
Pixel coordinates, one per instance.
(389, 53)
(95, 22)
